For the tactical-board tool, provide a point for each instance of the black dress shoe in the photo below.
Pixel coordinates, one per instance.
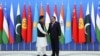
(52, 55)
(44, 55)
(38, 55)
(57, 54)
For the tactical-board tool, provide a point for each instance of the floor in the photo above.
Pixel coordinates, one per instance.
(62, 53)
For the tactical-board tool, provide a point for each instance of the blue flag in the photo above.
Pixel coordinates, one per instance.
(11, 26)
(68, 37)
(35, 21)
(98, 24)
(93, 35)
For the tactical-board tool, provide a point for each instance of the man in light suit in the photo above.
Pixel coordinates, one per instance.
(55, 32)
(41, 39)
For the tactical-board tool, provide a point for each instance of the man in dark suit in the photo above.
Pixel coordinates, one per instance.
(55, 32)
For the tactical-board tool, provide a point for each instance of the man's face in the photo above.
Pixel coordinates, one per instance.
(42, 20)
(53, 19)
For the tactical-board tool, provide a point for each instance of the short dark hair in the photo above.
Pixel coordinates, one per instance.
(41, 17)
(54, 17)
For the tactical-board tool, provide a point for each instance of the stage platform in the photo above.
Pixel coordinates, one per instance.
(62, 53)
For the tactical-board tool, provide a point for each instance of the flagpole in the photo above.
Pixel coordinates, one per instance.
(18, 46)
(30, 46)
(99, 46)
(62, 47)
(47, 47)
(12, 47)
(24, 45)
(93, 46)
(87, 47)
(81, 47)
(74, 46)
(0, 47)
(68, 46)
(6, 47)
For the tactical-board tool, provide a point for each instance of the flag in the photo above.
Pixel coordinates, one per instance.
(74, 25)
(87, 25)
(47, 21)
(5, 35)
(18, 26)
(98, 24)
(24, 25)
(81, 30)
(1, 23)
(29, 25)
(55, 12)
(68, 36)
(11, 26)
(41, 10)
(35, 21)
(61, 21)
(93, 32)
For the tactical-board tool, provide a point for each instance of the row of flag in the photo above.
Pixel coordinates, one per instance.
(11, 30)
(80, 30)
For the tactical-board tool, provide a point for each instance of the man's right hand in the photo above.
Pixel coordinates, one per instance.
(46, 34)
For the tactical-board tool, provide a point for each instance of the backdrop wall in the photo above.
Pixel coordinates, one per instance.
(66, 47)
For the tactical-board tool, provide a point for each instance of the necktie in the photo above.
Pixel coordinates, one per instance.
(52, 24)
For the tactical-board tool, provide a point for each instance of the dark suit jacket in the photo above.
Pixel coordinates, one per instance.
(54, 30)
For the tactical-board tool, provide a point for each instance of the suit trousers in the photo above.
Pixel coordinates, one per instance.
(55, 46)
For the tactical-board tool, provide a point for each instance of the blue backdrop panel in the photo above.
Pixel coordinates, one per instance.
(66, 47)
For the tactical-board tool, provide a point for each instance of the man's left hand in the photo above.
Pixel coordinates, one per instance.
(59, 37)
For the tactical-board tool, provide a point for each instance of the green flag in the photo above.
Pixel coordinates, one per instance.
(87, 25)
(61, 21)
(1, 23)
(18, 26)
(5, 28)
(98, 24)
(47, 21)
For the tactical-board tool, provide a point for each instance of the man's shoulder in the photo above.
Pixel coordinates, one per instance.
(50, 23)
(38, 23)
(57, 22)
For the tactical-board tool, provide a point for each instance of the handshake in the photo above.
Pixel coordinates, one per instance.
(47, 34)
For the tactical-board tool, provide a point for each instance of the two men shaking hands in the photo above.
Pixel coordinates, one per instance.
(54, 31)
